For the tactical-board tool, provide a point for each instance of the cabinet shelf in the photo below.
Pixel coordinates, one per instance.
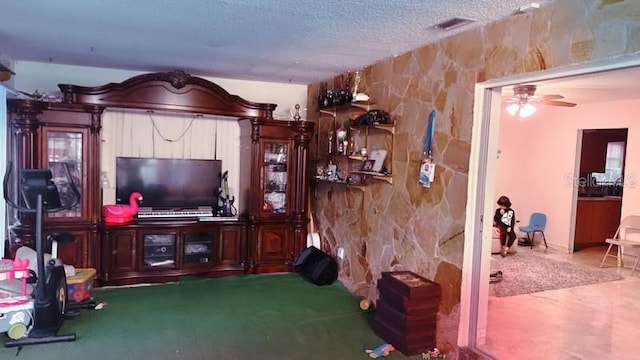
(341, 182)
(390, 128)
(357, 106)
(365, 105)
(375, 175)
(331, 156)
(372, 137)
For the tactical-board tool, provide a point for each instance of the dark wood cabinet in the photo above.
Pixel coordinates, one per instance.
(596, 220)
(278, 191)
(272, 225)
(593, 156)
(52, 135)
(274, 249)
(230, 248)
(82, 252)
(159, 251)
(120, 254)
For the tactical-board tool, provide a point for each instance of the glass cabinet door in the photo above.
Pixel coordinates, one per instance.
(66, 147)
(197, 248)
(275, 186)
(159, 250)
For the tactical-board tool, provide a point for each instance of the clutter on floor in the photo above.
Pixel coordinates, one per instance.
(16, 306)
(433, 354)
(79, 285)
(407, 311)
(380, 351)
(495, 276)
(27, 253)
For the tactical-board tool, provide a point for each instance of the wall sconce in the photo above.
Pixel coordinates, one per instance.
(523, 110)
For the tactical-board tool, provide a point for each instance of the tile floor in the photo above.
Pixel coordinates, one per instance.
(600, 321)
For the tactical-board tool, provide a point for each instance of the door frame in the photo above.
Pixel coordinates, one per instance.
(481, 186)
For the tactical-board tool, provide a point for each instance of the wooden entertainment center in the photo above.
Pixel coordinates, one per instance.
(264, 238)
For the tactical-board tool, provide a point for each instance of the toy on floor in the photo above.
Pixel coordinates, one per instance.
(495, 276)
(434, 354)
(380, 351)
(101, 305)
(27, 253)
(16, 308)
(365, 304)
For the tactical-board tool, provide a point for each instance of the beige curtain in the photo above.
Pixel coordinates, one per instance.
(136, 133)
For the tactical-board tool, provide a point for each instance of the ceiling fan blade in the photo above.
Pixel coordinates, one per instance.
(549, 97)
(558, 103)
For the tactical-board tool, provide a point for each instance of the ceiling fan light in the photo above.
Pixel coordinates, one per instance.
(513, 109)
(527, 110)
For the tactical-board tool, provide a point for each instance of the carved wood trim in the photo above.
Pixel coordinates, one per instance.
(171, 91)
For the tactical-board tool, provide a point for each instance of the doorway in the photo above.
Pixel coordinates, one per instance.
(487, 113)
(600, 187)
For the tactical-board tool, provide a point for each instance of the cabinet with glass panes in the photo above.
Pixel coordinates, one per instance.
(278, 191)
(65, 136)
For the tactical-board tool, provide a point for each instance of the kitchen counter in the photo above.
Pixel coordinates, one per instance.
(599, 198)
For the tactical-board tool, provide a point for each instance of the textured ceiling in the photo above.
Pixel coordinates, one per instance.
(298, 41)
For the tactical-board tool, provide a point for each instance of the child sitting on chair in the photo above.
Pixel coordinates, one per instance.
(505, 219)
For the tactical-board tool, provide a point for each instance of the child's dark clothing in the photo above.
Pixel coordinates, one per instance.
(504, 221)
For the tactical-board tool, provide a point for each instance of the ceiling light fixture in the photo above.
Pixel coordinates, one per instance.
(522, 109)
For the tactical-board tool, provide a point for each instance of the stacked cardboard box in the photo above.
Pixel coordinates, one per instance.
(406, 312)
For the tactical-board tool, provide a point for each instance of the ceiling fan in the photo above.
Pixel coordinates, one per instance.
(524, 99)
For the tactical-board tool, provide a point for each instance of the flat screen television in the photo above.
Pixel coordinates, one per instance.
(168, 183)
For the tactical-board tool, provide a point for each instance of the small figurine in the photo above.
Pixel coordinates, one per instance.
(380, 351)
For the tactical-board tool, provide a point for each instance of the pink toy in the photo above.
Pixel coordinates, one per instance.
(15, 269)
(121, 214)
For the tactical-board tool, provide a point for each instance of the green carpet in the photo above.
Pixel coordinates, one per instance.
(243, 317)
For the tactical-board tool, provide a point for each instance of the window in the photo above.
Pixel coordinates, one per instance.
(613, 165)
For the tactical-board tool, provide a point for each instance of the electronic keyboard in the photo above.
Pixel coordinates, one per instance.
(174, 213)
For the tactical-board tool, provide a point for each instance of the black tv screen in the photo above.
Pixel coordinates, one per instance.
(168, 183)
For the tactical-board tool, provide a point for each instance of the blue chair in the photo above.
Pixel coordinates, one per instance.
(537, 223)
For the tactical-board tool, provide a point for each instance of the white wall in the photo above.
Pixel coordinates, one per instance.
(45, 77)
(537, 161)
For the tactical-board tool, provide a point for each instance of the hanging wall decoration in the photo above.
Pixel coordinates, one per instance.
(427, 167)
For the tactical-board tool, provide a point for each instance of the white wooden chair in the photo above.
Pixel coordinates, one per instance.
(627, 236)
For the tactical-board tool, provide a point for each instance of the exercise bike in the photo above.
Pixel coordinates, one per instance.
(50, 306)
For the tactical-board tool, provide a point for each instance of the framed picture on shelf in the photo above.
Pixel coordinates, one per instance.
(378, 157)
(368, 165)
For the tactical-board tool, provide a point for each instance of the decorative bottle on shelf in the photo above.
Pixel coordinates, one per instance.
(328, 99)
(332, 170)
(354, 143)
(341, 139)
(330, 142)
(322, 94)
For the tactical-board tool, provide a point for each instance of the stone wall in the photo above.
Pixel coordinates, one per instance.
(406, 227)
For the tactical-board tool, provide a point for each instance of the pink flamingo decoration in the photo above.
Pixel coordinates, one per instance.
(120, 214)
